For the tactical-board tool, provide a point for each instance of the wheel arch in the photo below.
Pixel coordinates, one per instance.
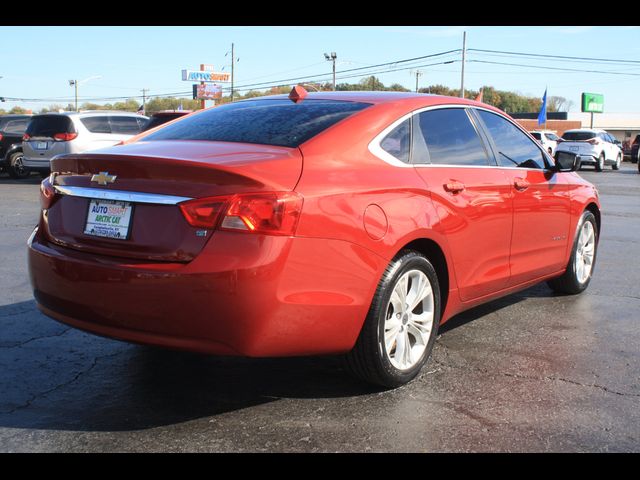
(593, 208)
(430, 249)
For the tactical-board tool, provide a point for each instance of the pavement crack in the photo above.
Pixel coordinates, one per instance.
(552, 378)
(37, 396)
(21, 344)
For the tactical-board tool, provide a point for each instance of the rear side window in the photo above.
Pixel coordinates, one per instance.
(97, 124)
(450, 139)
(536, 135)
(16, 126)
(49, 125)
(514, 147)
(269, 122)
(124, 125)
(578, 136)
(398, 142)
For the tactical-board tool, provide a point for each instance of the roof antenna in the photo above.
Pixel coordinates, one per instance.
(297, 93)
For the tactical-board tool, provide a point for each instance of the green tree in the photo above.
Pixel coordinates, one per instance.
(18, 110)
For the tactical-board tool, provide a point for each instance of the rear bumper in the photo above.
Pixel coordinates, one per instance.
(244, 295)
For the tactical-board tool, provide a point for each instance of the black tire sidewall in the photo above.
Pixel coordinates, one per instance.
(587, 216)
(12, 171)
(409, 261)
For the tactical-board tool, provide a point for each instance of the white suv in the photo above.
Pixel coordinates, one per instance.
(52, 134)
(595, 147)
(547, 139)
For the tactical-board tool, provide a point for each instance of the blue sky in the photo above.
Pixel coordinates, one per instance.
(37, 62)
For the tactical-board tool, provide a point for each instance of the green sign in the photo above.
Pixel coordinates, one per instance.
(592, 102)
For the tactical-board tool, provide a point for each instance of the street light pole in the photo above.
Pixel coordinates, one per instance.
(332, 57)
(75, 84)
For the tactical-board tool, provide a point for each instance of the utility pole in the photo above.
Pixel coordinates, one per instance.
(144, 100)
(332, 58)
(464, 56)
(233, 61)
(418, 73)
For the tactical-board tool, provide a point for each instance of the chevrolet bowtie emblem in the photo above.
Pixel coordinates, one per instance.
(103, 178)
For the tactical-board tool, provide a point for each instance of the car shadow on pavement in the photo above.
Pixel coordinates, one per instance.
(537, 291)
(58, 378)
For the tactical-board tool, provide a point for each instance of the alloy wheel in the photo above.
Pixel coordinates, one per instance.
(409, 320)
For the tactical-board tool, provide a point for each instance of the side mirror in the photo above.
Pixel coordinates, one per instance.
(567, 162)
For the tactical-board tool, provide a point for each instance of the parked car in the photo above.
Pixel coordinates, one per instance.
(547, 139)
(595, 147)
(635, 150)
(12, 127)
(164, 116)
(209, 235)
(52, 134)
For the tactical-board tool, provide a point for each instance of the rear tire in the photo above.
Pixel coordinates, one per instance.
(616, 165)
(583, 258)
(600, 163)
(16, 168)
(398, 334)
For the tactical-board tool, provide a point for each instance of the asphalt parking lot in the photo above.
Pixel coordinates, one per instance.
(532, 372)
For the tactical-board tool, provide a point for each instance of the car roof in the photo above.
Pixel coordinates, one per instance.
(418, 100)
(589, 130)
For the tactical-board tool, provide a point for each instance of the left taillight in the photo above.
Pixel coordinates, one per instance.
(26, 137)
(47, 193)
(269, 213)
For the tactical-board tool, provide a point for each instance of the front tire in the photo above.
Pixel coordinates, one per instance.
(583, 258)
(401, 327)
(600, 163)
(16, 169)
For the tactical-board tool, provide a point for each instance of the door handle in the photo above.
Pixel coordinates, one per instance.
(454, 187)
(521, 184)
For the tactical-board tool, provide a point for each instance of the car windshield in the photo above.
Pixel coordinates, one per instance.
(578, 136)
(278, 122)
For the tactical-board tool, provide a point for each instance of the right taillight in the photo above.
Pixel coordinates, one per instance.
(64, 137)
(273, 213)
(47, 193)
(270, 213)
(593, 141)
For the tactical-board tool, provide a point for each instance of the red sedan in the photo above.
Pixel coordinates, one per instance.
(345, 223)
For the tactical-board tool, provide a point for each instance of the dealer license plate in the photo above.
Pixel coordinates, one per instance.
(574, 149)
(42, 145)
(109, 218)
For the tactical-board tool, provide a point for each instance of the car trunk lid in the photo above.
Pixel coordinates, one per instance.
(141, 186)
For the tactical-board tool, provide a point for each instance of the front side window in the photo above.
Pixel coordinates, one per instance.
(514, 147)
(398, 141)
(448, 138)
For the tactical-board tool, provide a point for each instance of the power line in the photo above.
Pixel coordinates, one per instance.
(275, 83)
(565, 57)
(556, 68)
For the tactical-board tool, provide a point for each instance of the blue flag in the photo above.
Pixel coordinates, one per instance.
(542, 116)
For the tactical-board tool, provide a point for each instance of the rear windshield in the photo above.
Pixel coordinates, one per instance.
(49, 125)
(536, 135)
(578, 135)
(159, 120)
(269, 122)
